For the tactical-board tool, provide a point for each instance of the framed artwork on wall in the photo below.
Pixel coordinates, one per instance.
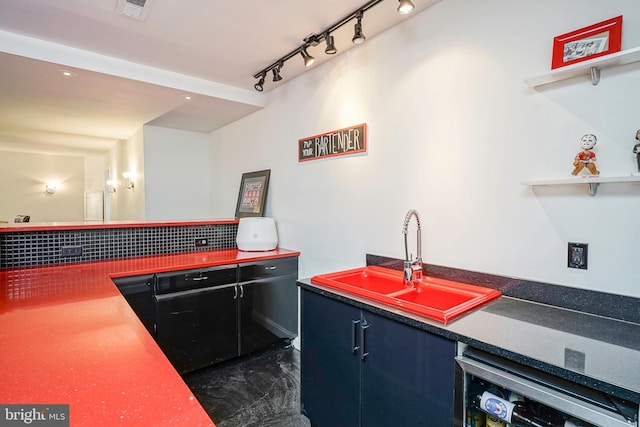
(586, 43)
(253, 193)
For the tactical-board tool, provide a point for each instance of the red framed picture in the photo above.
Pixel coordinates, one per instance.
(586, 43)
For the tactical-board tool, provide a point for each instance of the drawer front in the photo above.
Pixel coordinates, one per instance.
(195, 279)
(268, 268)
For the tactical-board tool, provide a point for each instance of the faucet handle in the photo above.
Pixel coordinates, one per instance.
(408, 271)
(416, 267)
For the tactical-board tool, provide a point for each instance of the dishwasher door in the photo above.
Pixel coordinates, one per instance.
(552, 400)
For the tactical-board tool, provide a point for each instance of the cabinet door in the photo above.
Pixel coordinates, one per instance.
(330, 367)
(198, 328)
(277, 303)
(138, 291)
(263, 320)
(268, 303)
(407, 376)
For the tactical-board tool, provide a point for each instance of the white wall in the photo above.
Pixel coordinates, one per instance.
(23, 179)
(170, 170)
(127, 156)
(24, 173)
(453, 130)
(176, 169)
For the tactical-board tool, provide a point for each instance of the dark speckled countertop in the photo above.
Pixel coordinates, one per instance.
(566, 332)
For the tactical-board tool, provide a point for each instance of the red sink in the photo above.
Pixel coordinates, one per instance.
(438, 299)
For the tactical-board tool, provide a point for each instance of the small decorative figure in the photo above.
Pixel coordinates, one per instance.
(636, 149)
(586, 158)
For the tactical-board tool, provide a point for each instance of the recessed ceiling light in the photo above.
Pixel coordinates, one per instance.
(67, 73)
(188, 97)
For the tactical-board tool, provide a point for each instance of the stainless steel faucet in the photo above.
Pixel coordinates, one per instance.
(412, 267)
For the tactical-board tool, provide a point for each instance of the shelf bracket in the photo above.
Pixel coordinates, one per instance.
(593, 188)
(595, 75)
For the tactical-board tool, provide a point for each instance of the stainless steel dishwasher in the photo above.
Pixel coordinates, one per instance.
(495, 388)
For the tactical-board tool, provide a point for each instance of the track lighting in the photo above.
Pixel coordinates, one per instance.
(258, 86)
(314, 39)
(276, 73)
(358, 35)
(405, 7)
(308, 59)
(331, 47)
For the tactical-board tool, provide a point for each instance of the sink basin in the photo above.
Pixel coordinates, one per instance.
(438, 299)
(369, 279)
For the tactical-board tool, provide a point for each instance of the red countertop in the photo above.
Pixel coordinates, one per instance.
(67, 336)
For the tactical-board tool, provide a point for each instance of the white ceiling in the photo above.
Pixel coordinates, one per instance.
(128, 73)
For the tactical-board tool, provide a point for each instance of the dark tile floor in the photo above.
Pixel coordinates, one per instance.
(262, 390)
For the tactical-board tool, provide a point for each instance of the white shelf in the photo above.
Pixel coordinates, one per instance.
(591, 180)
(590, 68)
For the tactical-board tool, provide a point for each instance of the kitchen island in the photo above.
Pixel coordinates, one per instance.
(67, 336)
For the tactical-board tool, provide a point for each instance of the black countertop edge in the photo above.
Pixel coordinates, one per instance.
(618, 307)
(440, 329)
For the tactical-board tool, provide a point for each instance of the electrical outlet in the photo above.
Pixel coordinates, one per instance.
(202, 242)
(577, 255)
(71, 251)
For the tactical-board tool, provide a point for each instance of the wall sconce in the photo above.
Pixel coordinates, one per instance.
(111, 186)
(50, 189)
(128, 181)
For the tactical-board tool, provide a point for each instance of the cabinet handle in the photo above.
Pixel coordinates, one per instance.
(241, 291)
(354, 325)
(196, 279)
(363, 330)
(235, 293)
(273, 267)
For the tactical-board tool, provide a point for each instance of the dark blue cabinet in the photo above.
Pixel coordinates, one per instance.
(362, 369)
(329, 371)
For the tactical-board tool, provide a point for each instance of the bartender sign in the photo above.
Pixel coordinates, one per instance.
(336, 143)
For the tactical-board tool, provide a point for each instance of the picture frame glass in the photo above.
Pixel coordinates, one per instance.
(587, 47)
(253, 194)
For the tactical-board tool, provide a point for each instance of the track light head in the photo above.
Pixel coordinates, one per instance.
(259, 86)
(331, 47)
(405, 7)
(276, 73)
(358, 35)
(308, 59)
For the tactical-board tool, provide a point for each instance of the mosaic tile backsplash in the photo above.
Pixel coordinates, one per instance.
(25, 249)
